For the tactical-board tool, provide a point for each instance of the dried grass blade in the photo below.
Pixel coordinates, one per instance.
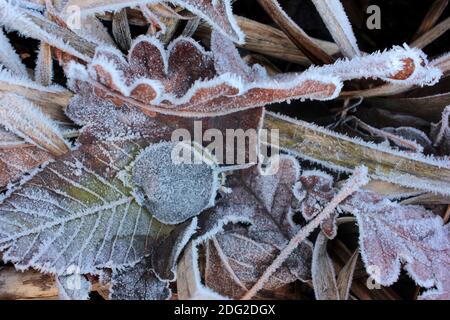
(344, 154)
(336, 20)
(295, 33)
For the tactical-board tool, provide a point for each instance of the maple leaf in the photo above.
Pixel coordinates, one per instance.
(238, 256)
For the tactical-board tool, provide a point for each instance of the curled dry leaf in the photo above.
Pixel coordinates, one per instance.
(219, 82)
(204, 84)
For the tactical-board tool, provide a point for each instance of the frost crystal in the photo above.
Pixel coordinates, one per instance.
(175, 191)
(391, 234)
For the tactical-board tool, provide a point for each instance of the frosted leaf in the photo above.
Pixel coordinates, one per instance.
(156, 80)
(217, 13)
(402, 65)
(15, 162)
(314, 191)
(18, 157)
(164, 260)
(73, 287)
(31, 24)
(165, 81)
(265, 201)
(21, 117)
(323, 273)
(138, 282)
(175, 190)
(336, 20)
(9, 58)
(391, 234)
(78, 212)
(235, 262)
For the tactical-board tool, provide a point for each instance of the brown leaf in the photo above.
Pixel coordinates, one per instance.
(243, 253)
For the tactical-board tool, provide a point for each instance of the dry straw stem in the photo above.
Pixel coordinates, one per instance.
(44, 65)
(356, 181)
(32, 285)
(37, 27)
(51, 102)
(26, 120)
(270, 41)
(295, 33)
(432, 16)
(335, 18)
(432, 34)
(344, 154)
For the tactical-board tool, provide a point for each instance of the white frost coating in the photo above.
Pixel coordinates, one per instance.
(444, 126)
(175, 191)
(205, 9)
(8, 77)
(9, 58)
(44, 65)
(73, 287)
(15, 18)
(157, 44)
(384, 65)
(337, 22)
(407, 180)
(119, 80)
(391, 234)
(27, 121)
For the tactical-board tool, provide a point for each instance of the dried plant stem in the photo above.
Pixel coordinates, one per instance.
(344, 154)
(44, 65)
(335, 18)
(356, 181)
(271, 41)
(433, 15)
(295, 33)
(121, 29)
(432, 35)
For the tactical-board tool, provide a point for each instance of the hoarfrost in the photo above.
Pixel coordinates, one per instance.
(174, 190)
(9, 58)
(73, 287)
